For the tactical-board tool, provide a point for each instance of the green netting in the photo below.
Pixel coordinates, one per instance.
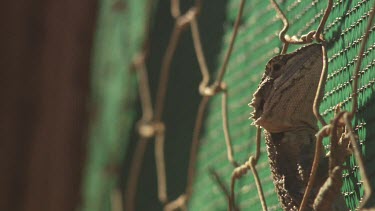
(119, 35)
(257, 42)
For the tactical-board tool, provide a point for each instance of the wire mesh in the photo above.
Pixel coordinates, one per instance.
(256, 43)
(119, 34)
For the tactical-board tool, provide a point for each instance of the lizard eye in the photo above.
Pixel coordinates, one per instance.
(276, 67)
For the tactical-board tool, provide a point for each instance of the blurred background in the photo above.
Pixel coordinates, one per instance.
(73, 99)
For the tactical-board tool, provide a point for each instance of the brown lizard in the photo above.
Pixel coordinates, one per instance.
(283, 106)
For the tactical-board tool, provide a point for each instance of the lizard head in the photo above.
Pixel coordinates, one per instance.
(284, 98)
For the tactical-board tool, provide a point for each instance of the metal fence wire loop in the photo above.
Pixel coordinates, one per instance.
(151, 125)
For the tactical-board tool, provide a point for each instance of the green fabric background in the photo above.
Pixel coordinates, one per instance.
(119, 36)
(257, 42)
(120, 33)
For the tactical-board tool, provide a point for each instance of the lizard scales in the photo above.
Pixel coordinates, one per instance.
(283, 106)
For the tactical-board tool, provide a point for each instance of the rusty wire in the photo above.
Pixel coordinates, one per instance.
(308, 38)
(243, 169)
(151, 124)
(350, 115)
(320, 89)
(345, 120)
(305, 39)
(147, 127)
(219, 181)
(207, 92)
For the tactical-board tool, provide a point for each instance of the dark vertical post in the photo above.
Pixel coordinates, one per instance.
(44, 75)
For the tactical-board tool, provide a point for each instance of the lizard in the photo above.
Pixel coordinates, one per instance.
(283, 106)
